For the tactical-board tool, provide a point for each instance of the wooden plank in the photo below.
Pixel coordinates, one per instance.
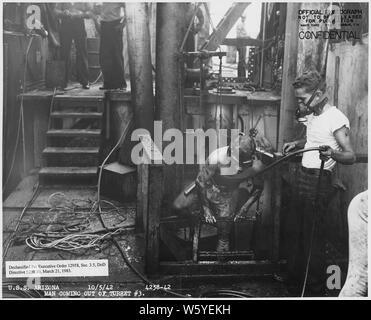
(242, 42)
(139, 50)
(119, 95)
(354, 104)
(212, 268)
(276, 209)
(76, 98)
(153, 154)
(74, 132)
(227, 255)
(59, 114)
(141, 216)
(288, 102)
(62, 171)
(216, 98)
(155, 196)
(72, 150)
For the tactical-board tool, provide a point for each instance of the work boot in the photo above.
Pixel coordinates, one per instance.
(223, 245)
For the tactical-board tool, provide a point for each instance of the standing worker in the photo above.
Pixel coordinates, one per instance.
(112, 22)
(72, 27)
(325, 126)
(241, 33)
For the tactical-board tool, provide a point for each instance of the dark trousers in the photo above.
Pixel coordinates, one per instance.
(111, 55)
(74, 29)
(303, 214)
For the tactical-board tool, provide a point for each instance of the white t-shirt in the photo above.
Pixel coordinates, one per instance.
(320, 131)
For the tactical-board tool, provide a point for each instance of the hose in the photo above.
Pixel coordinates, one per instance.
(29, 203)
(20, 119)
(225, 294)
(316, 207)
(246, 174)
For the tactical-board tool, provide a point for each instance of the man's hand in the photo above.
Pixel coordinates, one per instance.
(325, 153)
(240, 215)
(209, 217)
(288, 146)
(257, 164)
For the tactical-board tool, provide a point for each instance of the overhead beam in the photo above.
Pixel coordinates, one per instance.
(224, 26)
(240, 42)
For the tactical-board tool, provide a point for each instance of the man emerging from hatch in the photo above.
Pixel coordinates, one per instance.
(222, 200)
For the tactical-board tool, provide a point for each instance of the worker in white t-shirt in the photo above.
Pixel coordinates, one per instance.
(325, 126)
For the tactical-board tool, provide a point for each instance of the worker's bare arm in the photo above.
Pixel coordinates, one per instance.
(346, 155)
(289, 146)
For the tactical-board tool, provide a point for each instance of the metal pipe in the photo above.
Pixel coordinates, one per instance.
(264, 14)
(336, 86)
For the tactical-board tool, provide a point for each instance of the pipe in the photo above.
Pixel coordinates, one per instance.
(264, 14)
(243, 175)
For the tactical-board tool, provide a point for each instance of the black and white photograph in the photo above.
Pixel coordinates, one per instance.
(184, 151)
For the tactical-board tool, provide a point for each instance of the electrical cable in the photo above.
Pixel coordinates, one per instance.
(316, 207)
(20, 119)
(29, 203)
(97, 79)
(225, 294)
